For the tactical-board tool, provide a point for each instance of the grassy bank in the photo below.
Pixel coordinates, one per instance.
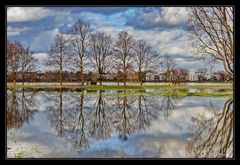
(131, 91)
(95, 87)
(174, 94)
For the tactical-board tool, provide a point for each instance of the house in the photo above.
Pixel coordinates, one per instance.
(193, 76)
(150, 76)
(162, 76)
(208, 76)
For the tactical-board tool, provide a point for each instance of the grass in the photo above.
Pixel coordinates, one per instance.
(177, 94)
(155, 93)
(138, 89)
(22, 154)
(19, 153)
(114, 87)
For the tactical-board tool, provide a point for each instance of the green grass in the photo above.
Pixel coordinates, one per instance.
(22, 154)
(137, 89)
(95, 87)
(177, 94)
(155, 93)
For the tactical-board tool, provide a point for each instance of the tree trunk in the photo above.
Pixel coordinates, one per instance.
(125, 77)
(60, 75)
(14, 79)
(22, 78)
(100, 79)
(227, 67)
(140, 77)
(118, 78)
(81, 71)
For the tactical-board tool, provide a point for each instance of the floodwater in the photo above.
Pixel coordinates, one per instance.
(113, 124)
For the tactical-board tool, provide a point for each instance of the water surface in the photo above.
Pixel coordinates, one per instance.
(95, 124)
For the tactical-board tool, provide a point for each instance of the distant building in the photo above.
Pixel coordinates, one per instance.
(193, 76)
(162, 76)
(208, 76)
(149, 76)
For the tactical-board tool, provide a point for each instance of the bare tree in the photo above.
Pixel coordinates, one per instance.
(101, 49)
(14, 52)
(213, 137)
(145, 58)
(78, 42)
(28, 62)
(124, 53)
(202, 72)
(168, 64)
(212, 29)
(57, 55)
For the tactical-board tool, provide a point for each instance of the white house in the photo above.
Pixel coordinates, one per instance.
(193, 76)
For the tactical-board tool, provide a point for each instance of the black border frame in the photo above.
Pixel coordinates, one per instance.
(121, 4)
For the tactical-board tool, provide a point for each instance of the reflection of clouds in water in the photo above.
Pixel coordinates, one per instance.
(42, 132)
(41, 135)
(200, 101)
(141, 145)
(166, 137)
(179, 121)
(163, 137)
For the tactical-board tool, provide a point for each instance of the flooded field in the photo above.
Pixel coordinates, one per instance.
(118, 124)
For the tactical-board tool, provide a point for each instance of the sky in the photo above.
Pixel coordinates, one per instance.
(164, 28)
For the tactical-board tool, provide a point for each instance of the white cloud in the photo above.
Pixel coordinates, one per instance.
(160, 17)
(43, 41)
(41, 56)
(173, 15)
(20, 14)
(173, 41)
(170, 41)
(14, 31)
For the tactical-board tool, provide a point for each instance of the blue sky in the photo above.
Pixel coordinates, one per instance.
(164, 29)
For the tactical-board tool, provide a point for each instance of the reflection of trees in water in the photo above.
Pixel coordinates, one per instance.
(20, 108)
(55, 112)
(123, 116)
(100, 120)
(69, 119)
(134, 113)
(147, 111)
(167, 105)
(76, 124)
(213, 137)
(168, 102)
(81, 118)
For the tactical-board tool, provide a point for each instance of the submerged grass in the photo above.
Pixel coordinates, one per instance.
(130, 90)
(114, 87)
(177, 94)
(137, 94)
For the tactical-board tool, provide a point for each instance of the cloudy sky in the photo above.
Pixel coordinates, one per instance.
(165, 28)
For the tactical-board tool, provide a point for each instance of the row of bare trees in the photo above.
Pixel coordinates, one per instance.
(211, 29)
(19, 59)
(103, 53)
